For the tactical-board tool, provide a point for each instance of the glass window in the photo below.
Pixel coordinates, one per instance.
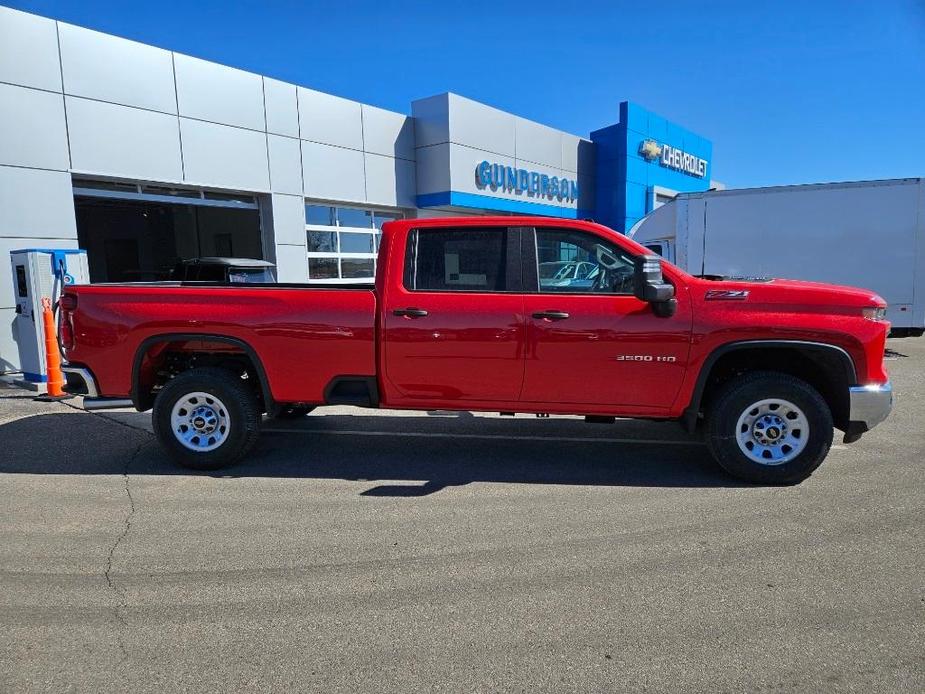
(460, 260)
(322, 241)
(319, 215)
(230, 197)
(358, 267)
(575, 262)
(174, 192)
(352, 217)
(322, 268)
(380, 218)
(356, 243)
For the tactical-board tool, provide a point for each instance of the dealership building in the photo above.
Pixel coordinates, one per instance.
(143, 156)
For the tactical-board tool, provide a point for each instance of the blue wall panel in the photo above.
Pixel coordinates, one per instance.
(626, 179)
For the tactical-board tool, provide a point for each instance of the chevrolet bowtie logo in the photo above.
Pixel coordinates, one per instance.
(650, 150)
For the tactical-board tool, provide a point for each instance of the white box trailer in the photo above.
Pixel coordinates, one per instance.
(868, 234)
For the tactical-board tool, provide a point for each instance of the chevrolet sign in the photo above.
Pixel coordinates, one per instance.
(673, 158)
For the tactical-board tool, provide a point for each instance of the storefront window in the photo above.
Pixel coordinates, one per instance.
(358, 267)
(322, 268)
(319, 215)
(356, 243)
(352, 217)
(322, 241)
(337, 245)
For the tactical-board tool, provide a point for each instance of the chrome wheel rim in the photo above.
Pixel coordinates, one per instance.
(200, 421)
(772, 431)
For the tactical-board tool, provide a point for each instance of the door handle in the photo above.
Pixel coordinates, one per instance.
(551, 315)
(409, 312)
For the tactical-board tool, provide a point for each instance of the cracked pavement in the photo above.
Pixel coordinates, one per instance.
(396, 552)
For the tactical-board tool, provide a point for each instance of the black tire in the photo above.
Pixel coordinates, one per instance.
(732, 401)
(240, 408)
(294, 411)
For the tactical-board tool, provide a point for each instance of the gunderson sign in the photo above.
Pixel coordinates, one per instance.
(673, 158)
(533, 183)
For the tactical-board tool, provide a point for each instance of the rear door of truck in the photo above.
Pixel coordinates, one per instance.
(452, 317)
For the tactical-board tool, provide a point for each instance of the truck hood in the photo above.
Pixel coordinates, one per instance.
(789, 292)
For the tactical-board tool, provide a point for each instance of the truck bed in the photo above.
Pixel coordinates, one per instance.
(305, 334)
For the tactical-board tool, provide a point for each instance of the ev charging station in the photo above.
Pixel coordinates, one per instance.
(39, 273)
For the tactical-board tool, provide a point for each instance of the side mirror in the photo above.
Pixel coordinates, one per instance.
(650, 286)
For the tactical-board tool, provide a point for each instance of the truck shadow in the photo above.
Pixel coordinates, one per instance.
(399, 456)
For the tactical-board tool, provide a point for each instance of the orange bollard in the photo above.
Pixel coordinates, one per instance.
(52, 356)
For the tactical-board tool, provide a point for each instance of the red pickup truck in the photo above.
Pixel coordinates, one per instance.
(525, 314)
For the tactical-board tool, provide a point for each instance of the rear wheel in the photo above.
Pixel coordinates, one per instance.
(770, 428)
(206, 418)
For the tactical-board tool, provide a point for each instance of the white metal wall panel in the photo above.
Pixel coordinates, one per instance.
(29, 50)
(433, 169)
(329, 119)
(537, 144)
(481, 126)
(219, 94)
(431, 120)
(333, 173)
(388, 133)
(463, 163)
(224, 156)
(571, 144)
(32, 128)
(285, 164)
(389, 181)
(282, 107)
(289, 220)
(109, 68)
(291, 263)
(121, 141)
(35, 203)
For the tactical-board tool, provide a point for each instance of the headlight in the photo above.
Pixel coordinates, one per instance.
(874, 313)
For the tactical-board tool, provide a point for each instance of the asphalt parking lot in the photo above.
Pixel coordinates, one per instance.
(397, 552)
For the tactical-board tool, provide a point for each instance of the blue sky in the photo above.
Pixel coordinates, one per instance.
(789, 92)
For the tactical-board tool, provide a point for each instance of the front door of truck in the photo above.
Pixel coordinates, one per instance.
(589, 340)
(454, 328)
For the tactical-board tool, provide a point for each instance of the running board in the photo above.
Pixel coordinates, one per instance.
(92, 404)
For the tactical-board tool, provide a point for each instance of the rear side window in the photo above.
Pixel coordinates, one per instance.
(460, 260)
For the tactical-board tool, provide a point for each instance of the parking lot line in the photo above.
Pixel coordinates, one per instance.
(487, 437)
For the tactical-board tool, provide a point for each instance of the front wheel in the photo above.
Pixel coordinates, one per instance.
(206, 418)
(770, 428)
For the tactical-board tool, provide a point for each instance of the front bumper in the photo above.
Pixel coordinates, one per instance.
(869, 405)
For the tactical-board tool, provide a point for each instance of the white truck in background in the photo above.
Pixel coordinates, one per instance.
(868, 234)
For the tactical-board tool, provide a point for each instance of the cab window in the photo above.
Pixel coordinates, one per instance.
(459, 260)
(575, 262)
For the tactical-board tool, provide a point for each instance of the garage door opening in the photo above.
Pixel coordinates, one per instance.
(131, 236)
